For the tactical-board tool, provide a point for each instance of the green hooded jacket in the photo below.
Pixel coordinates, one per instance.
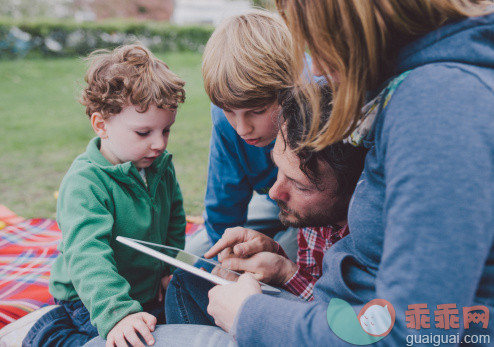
(97, 202)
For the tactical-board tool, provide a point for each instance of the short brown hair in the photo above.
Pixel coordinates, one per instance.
(129, 75)
(295, 120)
(248, 60)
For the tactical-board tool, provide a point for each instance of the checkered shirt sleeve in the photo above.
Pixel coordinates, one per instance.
(313, 243)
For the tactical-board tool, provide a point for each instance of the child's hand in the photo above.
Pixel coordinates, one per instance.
(126, 330)
(165, 281)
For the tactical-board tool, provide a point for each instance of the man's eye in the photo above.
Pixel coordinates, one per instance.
(166, 131)
(145, 133)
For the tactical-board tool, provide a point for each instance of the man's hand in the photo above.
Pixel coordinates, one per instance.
(223, 273)
(267, 267)
(165, 281)
(225, 300)
(126, 330)
(241, 242)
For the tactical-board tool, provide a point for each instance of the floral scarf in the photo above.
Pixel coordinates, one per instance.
(372, 109)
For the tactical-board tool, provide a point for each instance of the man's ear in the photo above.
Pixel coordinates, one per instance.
(99, 125)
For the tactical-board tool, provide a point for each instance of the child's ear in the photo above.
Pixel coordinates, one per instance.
(99, 125)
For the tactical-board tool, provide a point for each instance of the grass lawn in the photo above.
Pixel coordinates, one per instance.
(43, 128)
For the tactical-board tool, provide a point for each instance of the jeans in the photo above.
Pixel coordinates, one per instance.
(187, 299)
(177, 335)
(66, 325)
(69, 325)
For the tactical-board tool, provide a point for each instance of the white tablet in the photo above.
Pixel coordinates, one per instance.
(205, 268)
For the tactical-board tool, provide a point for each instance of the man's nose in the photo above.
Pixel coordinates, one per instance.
(277, 191)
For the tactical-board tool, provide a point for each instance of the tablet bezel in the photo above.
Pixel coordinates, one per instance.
(136, 244)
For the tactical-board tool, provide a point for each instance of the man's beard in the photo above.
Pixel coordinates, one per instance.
(337, 214)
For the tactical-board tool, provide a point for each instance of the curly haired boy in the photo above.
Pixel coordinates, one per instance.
(124, 184)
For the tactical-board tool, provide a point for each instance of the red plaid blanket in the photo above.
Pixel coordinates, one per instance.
(27, 251)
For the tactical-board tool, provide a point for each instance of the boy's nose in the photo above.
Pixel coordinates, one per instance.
(158, 144)
(243, 127)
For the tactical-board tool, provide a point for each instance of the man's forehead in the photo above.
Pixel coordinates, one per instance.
(289, 164)
(282, 153)
(287, 161)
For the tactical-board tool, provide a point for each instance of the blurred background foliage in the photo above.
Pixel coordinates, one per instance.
(19, 39)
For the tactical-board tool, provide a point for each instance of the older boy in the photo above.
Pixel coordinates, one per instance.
(124, 184)
(246, 63)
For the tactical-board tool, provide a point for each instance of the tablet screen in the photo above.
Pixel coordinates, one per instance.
(208, 265)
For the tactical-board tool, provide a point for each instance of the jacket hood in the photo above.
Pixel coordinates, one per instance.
(469, 41)
(126, 172)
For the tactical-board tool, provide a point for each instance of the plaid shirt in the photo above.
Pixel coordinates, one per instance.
(312, 244)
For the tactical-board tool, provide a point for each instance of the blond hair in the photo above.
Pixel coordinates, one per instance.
(357, 40)
(129, 75)
(248, 60)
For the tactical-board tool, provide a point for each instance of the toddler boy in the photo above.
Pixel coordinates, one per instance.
(124, 184)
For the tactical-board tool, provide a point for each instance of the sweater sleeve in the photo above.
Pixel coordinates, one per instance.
(175, 235)
(436, 146)
(228, 190)
(84, 214)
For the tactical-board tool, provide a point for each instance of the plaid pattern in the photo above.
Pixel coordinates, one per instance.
(312, 244)
(27, 252)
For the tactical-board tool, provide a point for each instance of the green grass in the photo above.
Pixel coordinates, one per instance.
(43, 128)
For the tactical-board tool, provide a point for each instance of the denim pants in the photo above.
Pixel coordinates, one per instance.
(187, 299)
(69, 325)
(183, 335)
